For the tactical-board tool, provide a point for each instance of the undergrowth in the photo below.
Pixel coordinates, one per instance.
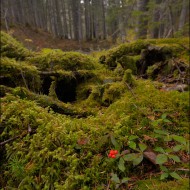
(121, 132)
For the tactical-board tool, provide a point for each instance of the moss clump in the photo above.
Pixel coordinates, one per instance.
(12, 48)
(128, 78)
(182, 184)
(112, 56)
(47, 101)
(19, 73)
(56, 59)
(129, 62)
(113, 92)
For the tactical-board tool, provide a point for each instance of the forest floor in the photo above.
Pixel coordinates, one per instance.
(113, 119)
(36, 39)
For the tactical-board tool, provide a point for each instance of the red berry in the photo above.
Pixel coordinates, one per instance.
(112, 152)
(110, 155)
(115, 152)
(113, 156)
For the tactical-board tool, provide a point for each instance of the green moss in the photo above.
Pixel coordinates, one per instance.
(128, 78)
(12, 48)
(19, 73)
(113, 92)
(175, 47)
(119, 70)
(46, 101)
(116, 54)
(52, 90)
(68, 147)
(127, 62)
(156, 184)
(69, 61)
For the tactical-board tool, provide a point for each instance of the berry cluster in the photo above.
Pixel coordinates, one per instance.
(113, 153)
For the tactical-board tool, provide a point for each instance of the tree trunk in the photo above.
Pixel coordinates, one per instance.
(183, 15)
(142, 24)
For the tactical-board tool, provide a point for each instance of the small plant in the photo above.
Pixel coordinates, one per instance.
(163, 155)
(118, 182)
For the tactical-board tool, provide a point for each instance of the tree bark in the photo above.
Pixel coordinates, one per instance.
(142, 24)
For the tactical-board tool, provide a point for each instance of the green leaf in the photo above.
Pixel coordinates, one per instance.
(161, 159)
(164, 176)
(161, 132)
(138, 160)
(159, 149)
(132, 145)
(155, 123)
(167, 121)
(175, 158)
(125, 180)
(142, 147)
(167, 138)
(177, 148)
(115, 178)
(130, 157)
(175, 175)
(133, 137)
(179, 139)
(164, 116)
(114, 142)
(168, 150)
(121, 165)
(163, 168)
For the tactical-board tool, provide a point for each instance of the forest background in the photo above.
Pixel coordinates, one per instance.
(96, 20)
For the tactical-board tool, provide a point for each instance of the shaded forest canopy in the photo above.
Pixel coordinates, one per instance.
(62, 113)
(100, 19)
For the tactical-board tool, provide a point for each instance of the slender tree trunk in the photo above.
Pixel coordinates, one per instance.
(183, 14)
(143, 19)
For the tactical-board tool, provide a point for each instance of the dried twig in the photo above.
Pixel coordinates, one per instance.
(132, 93)
(19, 136)
(9, 140)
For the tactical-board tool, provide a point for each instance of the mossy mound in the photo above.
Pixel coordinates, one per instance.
(12, 48)
(60, 152)
(19, 73)
(69, 61)
(140, 55)
(101, 94)
(119, 54)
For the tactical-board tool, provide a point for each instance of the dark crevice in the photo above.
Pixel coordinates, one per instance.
(7, 81)
(46, 85)
(66, 90)
(149, 57)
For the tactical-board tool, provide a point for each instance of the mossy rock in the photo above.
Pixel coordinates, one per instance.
(11, 48)
(70, 61)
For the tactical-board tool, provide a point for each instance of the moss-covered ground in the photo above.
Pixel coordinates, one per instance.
(62, 113)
